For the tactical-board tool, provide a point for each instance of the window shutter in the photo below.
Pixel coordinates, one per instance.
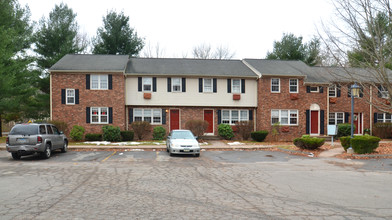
(62, 96)
(218, 112)
(346, 117)
(375, 117)
(379, 91)
(110, 115)
(200, 85)
(321, 89)
(169, 84)
(139, 84)
(338, 90)
(110, 81)
(228, 85)
(250, 115)
(130, 115)
(154, 84)
(214, 85)
(87, 81)
(242, 85)
(88, 115)
(307, 121)
(163, 116)
(76, 96)
(307, 91)
(321, 121)
(361, 92)
(183, 85)
(348, 91)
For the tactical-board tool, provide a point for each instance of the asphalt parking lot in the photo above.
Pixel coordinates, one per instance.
(217, 185)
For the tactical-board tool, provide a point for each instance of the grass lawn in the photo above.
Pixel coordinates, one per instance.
(2, 139)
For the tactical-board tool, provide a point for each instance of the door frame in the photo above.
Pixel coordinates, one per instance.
(213, 120)
(360, 129)
(179, 118)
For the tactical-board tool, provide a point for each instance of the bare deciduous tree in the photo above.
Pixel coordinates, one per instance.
(153, 51)
(205, 51)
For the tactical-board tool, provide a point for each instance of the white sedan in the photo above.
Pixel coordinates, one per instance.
(182, 142)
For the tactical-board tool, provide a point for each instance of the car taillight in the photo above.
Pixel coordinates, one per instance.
(39, 139)
(8, 140)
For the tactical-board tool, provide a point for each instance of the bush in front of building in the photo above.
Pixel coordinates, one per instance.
(365, 144)
(382, 130)
(345, 142)
(344, 129)
(309, 143)
(259, 136)
(77, 133)
(198, 127)
(244, 128)
(225, 131)
(111, 133)
(93, 137)
(127, 135)
(61, 125)
(159, 133)
(141, 128)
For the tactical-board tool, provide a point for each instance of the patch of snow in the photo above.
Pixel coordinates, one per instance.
(97, 142)
(235, 143)
(136, 150)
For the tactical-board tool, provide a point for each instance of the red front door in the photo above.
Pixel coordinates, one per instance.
(209, 117)
(314, 122)
(358, 123)
(174, 119)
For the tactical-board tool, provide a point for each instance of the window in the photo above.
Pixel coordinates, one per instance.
(176, 84)
(384, 117)
(332, 91)
(99, 81)
(284, 117)
(147, 84)
(154, 116)
(207, 85)
(275, 85)
(293, 85)
(99, 115)
(336, 118)
(314, 89)
(70, 96)
(236, 86)
(383, 92)
(233, 116)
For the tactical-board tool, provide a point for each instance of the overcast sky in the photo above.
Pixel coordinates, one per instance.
(246, 27)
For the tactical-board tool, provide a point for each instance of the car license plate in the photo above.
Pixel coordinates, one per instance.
(187, 150)
(22, 140)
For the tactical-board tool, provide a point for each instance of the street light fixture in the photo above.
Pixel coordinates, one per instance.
(354, 94)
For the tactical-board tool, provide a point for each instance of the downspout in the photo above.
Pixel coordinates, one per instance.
(50, 96)
(371, 110)
(327, 122)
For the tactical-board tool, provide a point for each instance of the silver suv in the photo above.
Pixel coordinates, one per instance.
(27, 139)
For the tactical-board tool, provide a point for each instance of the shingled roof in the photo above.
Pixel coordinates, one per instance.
(279, 67)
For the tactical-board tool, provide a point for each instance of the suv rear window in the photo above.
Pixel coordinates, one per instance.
(24, 130)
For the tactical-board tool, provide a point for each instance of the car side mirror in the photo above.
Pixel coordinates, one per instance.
(61, 132)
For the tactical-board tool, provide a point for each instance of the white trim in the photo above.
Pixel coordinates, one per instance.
(317, 91)
(288, 116)
(172, 84)
(332, 89)
(66, 97)
(232, 86)
(99, 115)
(297, 88)
(147, 84)
(99, 81)
(275, 85)
(204, 84)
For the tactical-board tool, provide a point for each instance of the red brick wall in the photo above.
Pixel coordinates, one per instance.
(76, 114)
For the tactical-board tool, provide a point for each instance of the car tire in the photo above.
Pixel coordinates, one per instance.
(65, 147)
(16, 156)
(197, 155)
(48, 152)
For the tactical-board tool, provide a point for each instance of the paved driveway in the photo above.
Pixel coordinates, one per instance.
(218, 185)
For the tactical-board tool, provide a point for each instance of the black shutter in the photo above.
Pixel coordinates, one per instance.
(250, 115)
(169, 84)
(87, 81)
(348, 91)
(242, 85)
(379, 91)
(307, 89)
(62, 96)
(214, 85)
(110, 115)
(163, 116)
(154, 84)
(375, 118)
(183, 85)
(76, 96)
(218, 112)
(139, 84)
(321, 121)
(110, 81)
(88, 115)
(228, 85)
(346, 117)
(321, 89)
(307, 121)
(338, 90)
(361, 92)
(200, 85)
(130, 115)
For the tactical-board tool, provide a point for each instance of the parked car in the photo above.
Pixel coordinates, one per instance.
(182, 142)
(27, 139)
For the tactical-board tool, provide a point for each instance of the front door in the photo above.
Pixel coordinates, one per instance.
(209, 117)
(358, 123)
(314, 122)
(174, 119)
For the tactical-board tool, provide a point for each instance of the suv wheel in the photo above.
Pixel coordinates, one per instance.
(65, 147)
(48, 152)
(16, 156)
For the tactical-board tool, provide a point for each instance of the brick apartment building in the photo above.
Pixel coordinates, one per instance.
(96, 90)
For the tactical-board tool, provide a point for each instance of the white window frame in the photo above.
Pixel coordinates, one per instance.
(314, 91)
(99, 114)
(275, 85)
(234, 116)
(384, 118)
(154, 115)
(100, 84)
(335, 118)
(206, 88)
(179, 85)
(332, 90)
(281, 115)
(147, 81)
(293, 86)
(236, 89)
(70, 96)
(384, 93)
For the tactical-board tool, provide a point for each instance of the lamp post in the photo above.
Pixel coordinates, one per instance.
(354, 93)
